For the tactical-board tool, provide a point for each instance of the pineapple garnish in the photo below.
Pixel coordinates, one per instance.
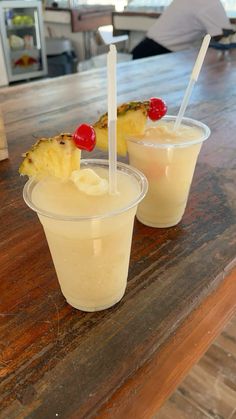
(131, 121)
(56, 156)
(59, 156)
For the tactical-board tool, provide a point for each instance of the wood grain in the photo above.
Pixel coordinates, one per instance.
(3, 140)
(179, 407)
(55, 359)
(146, 391)
(209, 388)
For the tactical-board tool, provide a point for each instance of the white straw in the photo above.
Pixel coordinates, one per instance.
(112, 118)
(194, 76)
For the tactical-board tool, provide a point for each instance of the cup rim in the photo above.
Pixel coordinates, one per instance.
(140, 177)
(205, 129)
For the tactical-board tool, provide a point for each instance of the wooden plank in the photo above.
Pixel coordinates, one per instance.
(3, 139)
(178, 407)
(209, 387)
(227, 339)
(147, 390)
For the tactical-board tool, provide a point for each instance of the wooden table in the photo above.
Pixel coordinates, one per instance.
(124, 362)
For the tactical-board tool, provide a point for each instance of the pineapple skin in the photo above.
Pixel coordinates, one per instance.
(56, 156)
(131, 120)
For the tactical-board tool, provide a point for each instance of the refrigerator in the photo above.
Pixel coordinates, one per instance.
(22, 39)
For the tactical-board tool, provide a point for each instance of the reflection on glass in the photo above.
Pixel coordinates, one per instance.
(23, 36)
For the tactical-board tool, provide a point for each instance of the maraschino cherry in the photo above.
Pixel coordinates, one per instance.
(85, 137)
(157, 108)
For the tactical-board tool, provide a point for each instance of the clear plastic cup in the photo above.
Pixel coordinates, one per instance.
(169, 168)
(91, 254)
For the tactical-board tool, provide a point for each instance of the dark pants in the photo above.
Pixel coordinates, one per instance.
(147, 47)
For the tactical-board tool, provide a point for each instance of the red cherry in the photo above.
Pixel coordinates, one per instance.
(85, 137)
(157, 108)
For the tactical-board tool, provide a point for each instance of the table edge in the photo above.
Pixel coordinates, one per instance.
(138, 397)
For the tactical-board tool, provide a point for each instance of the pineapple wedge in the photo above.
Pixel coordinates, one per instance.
(131, 120)
(57, 156)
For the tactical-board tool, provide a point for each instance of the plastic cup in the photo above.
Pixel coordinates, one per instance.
(91, 254)
(169, 168)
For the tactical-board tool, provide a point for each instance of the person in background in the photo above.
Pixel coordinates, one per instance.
(183, 25)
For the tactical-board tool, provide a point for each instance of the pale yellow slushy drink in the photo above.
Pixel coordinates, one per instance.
(168, 159)
(89, 236)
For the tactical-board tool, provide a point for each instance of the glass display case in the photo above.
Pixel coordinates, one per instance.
(21, 30)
